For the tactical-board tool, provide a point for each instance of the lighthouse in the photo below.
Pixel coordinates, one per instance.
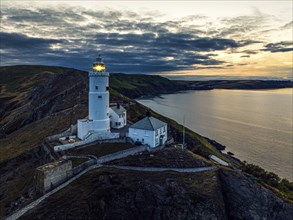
(99, 96)
(98, 122)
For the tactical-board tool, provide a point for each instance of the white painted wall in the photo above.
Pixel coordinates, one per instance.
(84, 126)
(115, 118)
(152, 138)
(99, 120)
(144, 136)
(99, 100)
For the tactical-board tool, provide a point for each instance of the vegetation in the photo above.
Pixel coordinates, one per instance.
(282, 187)
(77, 161)
(137, 85)
(101, 149)
(167, 157)
(236, 84)
(32, 135)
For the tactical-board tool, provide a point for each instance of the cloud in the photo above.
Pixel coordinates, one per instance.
(283, 46)
(20, 41)
(129, 42)
(288, 25)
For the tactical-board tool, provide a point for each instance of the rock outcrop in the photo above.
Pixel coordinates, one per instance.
(246, 199)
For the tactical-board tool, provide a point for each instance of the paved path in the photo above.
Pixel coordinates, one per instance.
(160, 169)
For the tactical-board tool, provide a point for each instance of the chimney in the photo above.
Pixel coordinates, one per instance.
(148, 113)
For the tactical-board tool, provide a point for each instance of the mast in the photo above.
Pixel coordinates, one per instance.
(183, 133)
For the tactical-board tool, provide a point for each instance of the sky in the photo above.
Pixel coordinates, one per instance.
(171, 38)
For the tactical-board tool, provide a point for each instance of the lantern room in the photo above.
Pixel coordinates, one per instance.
(99, 66)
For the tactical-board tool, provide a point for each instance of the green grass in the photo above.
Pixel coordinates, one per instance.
(77, 161)
(33, 135)
(101, 149)
(167, 157)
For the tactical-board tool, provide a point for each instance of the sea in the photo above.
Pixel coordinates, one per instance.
(255, 125)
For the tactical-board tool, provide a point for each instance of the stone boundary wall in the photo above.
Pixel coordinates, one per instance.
(68, 146)
(57, 136)
(114, 137)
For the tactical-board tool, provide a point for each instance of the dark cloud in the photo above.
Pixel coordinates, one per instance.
(20, 42)
(283, 46)
(249, 52)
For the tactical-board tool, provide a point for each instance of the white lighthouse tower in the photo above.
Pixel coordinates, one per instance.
(98, 123)
(99, 97)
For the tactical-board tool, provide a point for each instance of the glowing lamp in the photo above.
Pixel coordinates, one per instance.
(99, 67)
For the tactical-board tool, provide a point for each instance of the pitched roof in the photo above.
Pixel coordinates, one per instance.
(119, 110)
(148, 123)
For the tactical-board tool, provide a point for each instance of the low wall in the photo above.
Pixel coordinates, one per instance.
(114, 137)
(57, 136)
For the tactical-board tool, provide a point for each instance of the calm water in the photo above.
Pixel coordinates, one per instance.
(255, 125)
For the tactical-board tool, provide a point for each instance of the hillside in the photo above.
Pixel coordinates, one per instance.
(137, 85)
(235, 84)
(37, 101)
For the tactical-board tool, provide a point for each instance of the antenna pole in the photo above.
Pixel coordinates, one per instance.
(183, 133)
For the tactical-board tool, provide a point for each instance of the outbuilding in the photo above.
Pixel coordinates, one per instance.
(150, 131)
(118, 116)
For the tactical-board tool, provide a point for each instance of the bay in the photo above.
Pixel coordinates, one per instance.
(256, 125)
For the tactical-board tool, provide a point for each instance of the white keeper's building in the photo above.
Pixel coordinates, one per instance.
(118, 117)
(150, 131)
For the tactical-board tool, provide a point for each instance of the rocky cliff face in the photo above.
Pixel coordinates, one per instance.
(245, 199)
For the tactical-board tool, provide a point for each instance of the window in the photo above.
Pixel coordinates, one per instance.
(107, 88)
(99, 96)
(156, 132)
(97, 87)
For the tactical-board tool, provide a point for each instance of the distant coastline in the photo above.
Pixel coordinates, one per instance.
(235, 84)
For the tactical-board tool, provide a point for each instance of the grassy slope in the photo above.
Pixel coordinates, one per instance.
(136, 85)
(101, 149)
